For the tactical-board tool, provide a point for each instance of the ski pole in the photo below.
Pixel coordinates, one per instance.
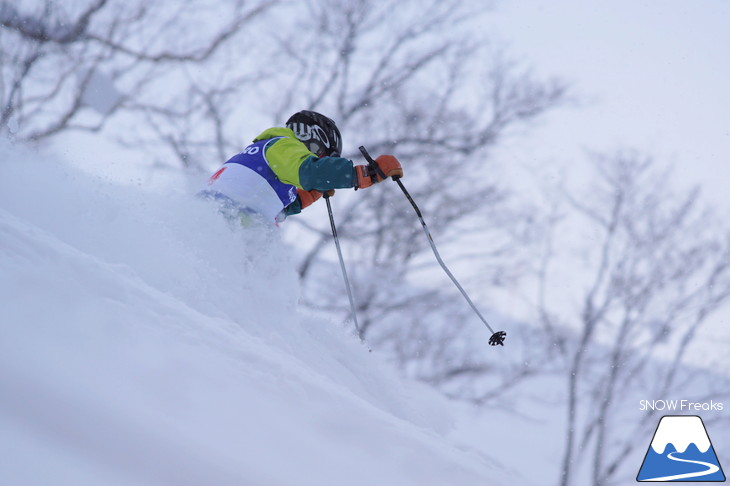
(498, 337)
(342, 266)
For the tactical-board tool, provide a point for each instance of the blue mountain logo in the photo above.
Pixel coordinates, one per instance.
(681, 451)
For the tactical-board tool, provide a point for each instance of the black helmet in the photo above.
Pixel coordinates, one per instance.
(317, 132)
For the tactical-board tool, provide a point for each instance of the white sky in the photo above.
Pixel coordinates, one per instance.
(654, 75)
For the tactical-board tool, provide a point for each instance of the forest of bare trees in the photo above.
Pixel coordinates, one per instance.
(653, 270)
(193, 85)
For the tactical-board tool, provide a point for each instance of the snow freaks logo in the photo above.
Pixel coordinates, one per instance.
(680, 405)
(681, 451)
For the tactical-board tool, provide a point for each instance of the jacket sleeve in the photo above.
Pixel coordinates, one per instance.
(327, 173)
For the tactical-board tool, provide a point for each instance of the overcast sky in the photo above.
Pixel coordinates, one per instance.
(654, 75)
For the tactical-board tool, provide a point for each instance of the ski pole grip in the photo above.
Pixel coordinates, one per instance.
(366, 155)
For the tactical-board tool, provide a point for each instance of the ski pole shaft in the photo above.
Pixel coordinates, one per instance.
(342, 266)
(497, 337)
(438, 256)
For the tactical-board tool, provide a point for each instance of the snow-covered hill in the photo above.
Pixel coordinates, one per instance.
(143, 341)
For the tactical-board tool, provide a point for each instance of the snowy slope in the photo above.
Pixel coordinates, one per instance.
(142, 341)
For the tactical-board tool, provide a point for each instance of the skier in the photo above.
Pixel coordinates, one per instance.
(288, 168)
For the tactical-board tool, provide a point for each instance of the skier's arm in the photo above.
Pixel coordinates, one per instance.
(294, 164)
(327, 173)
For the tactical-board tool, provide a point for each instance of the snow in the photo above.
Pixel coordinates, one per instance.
(143, 341)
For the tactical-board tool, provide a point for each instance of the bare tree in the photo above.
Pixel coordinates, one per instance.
(653, 267)
(61, 57)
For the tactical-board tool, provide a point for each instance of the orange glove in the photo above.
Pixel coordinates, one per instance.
(308, 197)
(387, 166)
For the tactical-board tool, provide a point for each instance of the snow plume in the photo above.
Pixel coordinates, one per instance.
(144, 341)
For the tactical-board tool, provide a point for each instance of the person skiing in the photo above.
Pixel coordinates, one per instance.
(286, 169)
